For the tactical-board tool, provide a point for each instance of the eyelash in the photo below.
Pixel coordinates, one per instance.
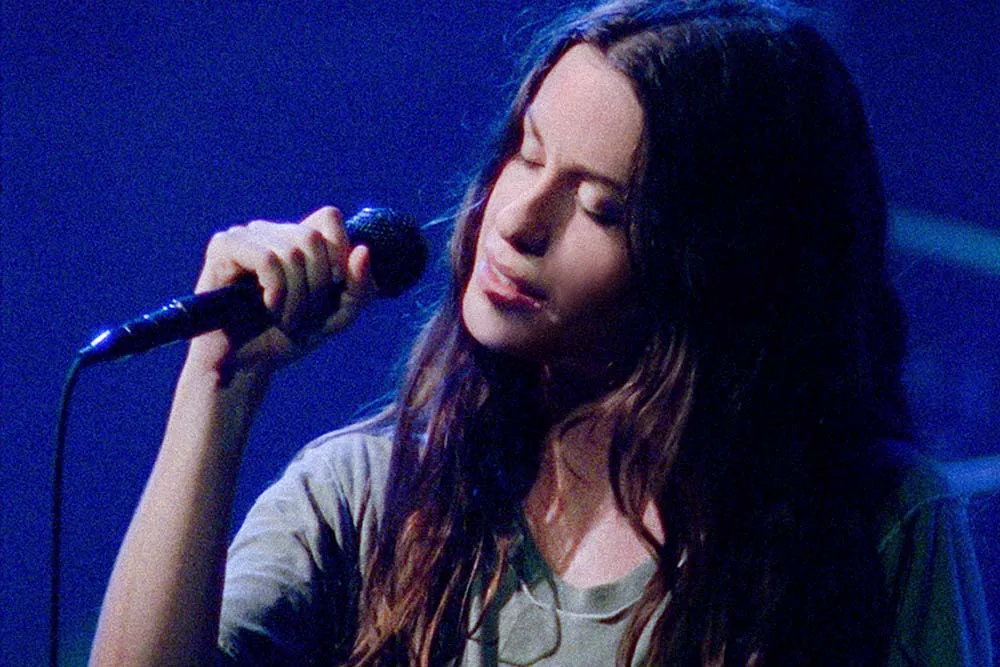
(520, 155)
(605, 219)
(609, 218)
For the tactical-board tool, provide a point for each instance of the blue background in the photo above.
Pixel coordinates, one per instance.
(132, 131)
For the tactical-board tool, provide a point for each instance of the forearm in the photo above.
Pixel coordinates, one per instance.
(162, 603)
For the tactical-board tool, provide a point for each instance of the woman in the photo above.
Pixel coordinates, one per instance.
(647, 425)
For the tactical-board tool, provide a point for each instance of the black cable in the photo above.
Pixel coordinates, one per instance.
(58, 463)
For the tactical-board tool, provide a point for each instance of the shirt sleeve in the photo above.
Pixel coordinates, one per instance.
(935, 584)
(293, 572)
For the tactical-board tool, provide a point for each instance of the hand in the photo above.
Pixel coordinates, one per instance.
(301, 268)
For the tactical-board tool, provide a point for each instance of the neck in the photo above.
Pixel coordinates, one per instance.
(576, 453)
(572, 513)
(571, 387)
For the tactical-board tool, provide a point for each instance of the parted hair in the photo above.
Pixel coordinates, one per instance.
(766, 377)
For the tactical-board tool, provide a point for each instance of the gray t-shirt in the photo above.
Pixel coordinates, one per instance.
(293, 576)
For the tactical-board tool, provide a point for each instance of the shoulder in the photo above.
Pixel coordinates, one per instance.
(929, 564)
(331, 493)
(914, 483)
(294, 569)
(351, 464)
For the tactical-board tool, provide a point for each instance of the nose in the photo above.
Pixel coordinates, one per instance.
(531, 216)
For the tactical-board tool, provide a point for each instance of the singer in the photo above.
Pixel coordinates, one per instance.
(656, 420)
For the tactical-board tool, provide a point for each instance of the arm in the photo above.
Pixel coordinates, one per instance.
(166, 580)
(162, 603)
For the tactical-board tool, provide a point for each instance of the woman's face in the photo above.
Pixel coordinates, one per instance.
(552, 268)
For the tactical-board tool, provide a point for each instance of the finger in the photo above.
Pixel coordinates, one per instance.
(359, 285)
(235, 253)
(329, 222)
(288, 296)
(324, 239)
(309, 249)
(359, 289)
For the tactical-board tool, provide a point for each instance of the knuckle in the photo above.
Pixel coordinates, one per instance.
(217, 239)
(226, 235)
(220, 244)
(331, 213)
(327, 220)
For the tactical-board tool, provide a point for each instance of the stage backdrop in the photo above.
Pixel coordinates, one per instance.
(132, 131)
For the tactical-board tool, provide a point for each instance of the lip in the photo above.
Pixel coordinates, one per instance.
(504, 286)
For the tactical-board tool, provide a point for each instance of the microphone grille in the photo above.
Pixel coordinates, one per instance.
(398, 250)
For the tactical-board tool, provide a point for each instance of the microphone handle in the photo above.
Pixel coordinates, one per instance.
(238, 308)
(398, 256)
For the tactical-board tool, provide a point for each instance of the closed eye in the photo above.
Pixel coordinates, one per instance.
(600, 205)
(532, 151)
(529, 159)
(610, 217)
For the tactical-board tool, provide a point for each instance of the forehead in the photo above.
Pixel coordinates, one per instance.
(587, 113)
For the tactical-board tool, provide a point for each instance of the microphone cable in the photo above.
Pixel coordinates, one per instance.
(58, 466)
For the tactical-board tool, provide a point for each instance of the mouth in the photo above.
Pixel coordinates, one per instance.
(504, 287)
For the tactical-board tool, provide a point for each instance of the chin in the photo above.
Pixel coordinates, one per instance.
(498, 331)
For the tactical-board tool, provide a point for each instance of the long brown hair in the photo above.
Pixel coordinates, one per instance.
(768, 372)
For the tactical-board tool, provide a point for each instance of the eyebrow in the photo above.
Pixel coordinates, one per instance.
(529, 127)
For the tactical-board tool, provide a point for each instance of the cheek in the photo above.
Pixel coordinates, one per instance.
(597, 274)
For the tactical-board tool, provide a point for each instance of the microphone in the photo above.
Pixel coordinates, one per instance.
(398, 255)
